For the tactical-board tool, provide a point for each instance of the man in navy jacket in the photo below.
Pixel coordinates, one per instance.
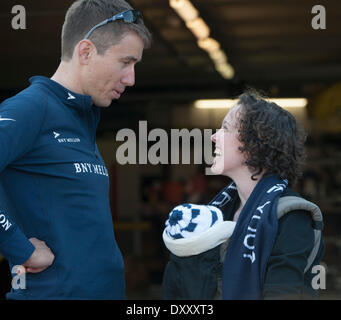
(59, 227)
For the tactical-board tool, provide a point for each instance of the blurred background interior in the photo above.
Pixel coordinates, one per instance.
(214, 49)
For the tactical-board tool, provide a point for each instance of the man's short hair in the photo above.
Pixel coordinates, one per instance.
(84, 14)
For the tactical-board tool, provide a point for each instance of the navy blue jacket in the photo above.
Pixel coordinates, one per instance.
(57, 187)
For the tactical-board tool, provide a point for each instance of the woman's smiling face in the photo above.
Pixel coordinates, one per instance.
(228, 158)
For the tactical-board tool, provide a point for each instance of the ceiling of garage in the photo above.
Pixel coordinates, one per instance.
(270, 44)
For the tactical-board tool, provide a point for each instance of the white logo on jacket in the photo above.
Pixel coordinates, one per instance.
(4, 222)
(65, 140)
(56, 134)
(6, 119)
(70, 97)
(84, 167)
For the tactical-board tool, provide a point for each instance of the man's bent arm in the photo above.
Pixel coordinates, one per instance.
(14, 245)
(21, 119)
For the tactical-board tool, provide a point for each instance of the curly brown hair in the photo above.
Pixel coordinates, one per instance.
(272, 139)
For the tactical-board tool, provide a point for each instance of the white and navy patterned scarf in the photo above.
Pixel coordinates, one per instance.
(252, 240)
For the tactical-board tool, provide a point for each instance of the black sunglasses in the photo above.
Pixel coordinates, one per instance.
(128, 16)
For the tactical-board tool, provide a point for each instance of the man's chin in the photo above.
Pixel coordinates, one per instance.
(105, 106)
(102, 104)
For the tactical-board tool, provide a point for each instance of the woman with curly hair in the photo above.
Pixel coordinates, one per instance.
(276, 238)
(270, 140)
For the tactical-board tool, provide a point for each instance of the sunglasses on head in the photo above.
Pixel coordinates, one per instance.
(128, 16)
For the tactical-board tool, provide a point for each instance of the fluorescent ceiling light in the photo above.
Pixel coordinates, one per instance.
(218, 56)
(199, 28)
(201, 31)
(226, 70)
(185, 9)
(290, 102)
(215, 103)
(209, 44)
(229, 103)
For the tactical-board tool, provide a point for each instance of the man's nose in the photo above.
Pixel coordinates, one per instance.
(128, 78)
(213, 137)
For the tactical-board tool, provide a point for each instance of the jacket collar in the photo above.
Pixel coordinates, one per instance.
(67, 96)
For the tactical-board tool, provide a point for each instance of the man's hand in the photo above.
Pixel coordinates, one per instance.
(41, 258)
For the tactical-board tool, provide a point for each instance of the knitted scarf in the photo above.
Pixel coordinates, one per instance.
(252, 241)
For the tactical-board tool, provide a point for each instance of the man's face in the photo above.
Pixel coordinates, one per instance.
(108, 75)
